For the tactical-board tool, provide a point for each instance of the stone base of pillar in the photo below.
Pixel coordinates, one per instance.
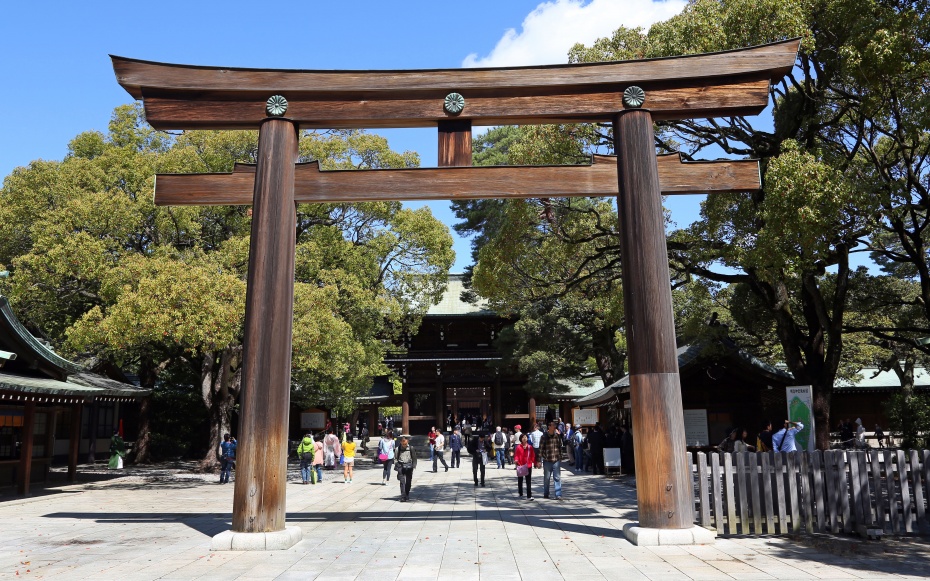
(273, 541)
(646, 537)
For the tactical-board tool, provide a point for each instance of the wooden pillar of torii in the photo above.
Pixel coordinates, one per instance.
(631, 95)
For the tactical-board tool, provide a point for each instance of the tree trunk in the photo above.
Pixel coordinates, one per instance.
(610, 362)
(141, 451)
(822, 398)
(219, 384)
(220, 413)
(148, 376)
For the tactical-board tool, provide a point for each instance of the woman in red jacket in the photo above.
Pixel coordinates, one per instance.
(525, 458)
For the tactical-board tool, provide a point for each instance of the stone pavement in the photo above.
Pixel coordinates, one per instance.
(159, 527)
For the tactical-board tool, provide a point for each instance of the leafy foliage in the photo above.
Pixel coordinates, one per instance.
(101, 272)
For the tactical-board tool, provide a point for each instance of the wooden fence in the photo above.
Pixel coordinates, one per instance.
(832, 491)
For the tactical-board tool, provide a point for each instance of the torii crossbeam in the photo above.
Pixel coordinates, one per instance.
(629, 94)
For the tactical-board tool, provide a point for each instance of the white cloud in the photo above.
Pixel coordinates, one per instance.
(552, 28)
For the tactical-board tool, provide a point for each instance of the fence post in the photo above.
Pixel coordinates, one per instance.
(905, 493)
(856, 488)
(702, 489)
(807, 506)
(918, 490)
(780, 490)
(755, 485)
(716, 484)
(876, 465)
(728, 493)
(893, 513)
(765, 458)
(819, 492)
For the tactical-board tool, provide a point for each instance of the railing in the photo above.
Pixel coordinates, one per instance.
(869, 492)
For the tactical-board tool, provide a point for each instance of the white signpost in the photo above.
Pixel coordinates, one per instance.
(696, 433)
(312, 420)
(801, 409)
(585, 417)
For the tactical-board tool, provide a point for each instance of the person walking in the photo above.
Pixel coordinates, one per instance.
(498, 440)
(455, 444)
(784, 439)
(305, 453)
(535, 436)
(227, 457)
(525, 458)
(331, 450)
(480, 449)
(880, 437)
(550, 450)
(386, 455)
(405, 461)
(578, 441)
(316, 469)
(348, 458)
(117, 451)
(432, 442)
(439, 452)
(509, 445)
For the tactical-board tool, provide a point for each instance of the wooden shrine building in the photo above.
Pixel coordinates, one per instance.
(51, 408)
(721, 383)
(448, 370)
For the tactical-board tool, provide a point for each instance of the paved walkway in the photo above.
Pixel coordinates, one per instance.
(159, 526)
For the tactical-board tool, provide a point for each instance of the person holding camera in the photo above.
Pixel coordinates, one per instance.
(784, 439)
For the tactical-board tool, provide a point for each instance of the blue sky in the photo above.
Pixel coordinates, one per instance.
(57, 80)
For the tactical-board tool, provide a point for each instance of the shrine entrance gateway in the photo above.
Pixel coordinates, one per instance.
(629, 94)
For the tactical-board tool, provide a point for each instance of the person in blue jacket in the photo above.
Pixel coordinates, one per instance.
(227, 457)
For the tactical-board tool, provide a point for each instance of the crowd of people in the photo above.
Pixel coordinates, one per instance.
(852, 435)
(545, 447)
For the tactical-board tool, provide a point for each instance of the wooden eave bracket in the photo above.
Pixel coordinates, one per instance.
(597, 179)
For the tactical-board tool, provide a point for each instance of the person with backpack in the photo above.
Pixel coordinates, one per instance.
(455, 444)
(498, 440)
(316, 468)
(227, 457)
(386, 455)
(578, 441)
(406, 462)
(305, 452)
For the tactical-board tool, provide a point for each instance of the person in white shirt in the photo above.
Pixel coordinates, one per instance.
(438, 449)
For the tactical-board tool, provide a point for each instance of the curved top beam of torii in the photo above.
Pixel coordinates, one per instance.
(695, 86)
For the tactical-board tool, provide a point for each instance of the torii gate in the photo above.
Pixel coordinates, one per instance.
(629, 94)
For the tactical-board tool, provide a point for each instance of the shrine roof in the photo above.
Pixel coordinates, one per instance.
(35, 368)
(452, 303)
(874, 379)
(688, 357)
